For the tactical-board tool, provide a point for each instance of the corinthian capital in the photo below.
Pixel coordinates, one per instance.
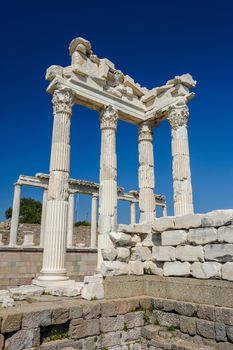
(108, 118)
(178, 116)
(145, 131)
(62, 100)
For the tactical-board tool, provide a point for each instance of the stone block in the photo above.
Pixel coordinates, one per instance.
(60, 315)
(219, 252)
(114, 268)
(3, 294)
(11, 323)
(206, 329)
(225, 346)
(120, 239)
(123, 254)
(91, 310)
(80, 328)
(188, 325)
(110, 324)
(163, 224)
(8, 302)
(1, 341)
(69, 291)
(185, 309)
(176, 268)
(93, 288)
(140, 253)
(131, 334)
(136, 268)
(166, 319)
(174, 237)
(24, 292)
(206, 312)
(224, 315)
(75, 312)
(220, 332)
(36, 319)
(134, 319)
(229, 331)
(108, 308)
(189, 253)
(163, 253)
(23, 339)
(227, 271)
(109, 339)
(225, 234)
(202, 235)
(135, 229)
(187, 221)
(152, 268)
(109, 253)
(206, 270)
(217, 218)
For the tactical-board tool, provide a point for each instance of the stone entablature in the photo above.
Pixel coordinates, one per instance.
(197, 245)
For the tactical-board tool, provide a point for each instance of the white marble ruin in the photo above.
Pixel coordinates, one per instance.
(97, 84)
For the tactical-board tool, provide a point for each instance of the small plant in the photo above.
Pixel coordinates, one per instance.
(94, 298)
(95, 339)
(145, 316)
(104, 348)
(57, 336)
(172, 328)
(125, 327)
(152, 308)
(156, 322)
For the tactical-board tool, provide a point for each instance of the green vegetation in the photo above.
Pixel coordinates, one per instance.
(172, 328)
(55, 335)
(30, 211)
(145, 316)
(125, 327)
(156, 322)
(82, 223)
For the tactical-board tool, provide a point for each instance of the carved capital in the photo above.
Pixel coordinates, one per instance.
(62, 100)
(178, 116)
(145, 131)
(108, 118)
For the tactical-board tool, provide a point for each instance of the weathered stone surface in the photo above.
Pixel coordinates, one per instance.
(24, 292)
(165, 253)
(163, 224)
(206, 312)
(109, 339)
(1, 341)
(76, 312)
(110, 324)
(11, 323)
(189, 253)
(174, 237)
(123, 254)
(69, 291)
(37, 318)
(108, 308)
(186, 309)
(134, 319)
(188, 325)
(229, 331)
(136, 268)
(3, 294)
(187, 221)
(121, 239)
(220, 332)
(206, 329)
(176, 268)
(225, 234)
(93, 287)
(166, 318)
(224, 315)
(136, 228)
(23, 339)
(227, 271)
(206, 270)
(60, 315)
(131, 334)
(140, 253)
(202, 235)
(217, 218)
(114, 268)
(91, 310)
(219, 252)
(8, 302)
(109, 253)
(152, 269)
(80, 328)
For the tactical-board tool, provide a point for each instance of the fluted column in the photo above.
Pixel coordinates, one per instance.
(43, 217)
(182, 186)
(93, 220)
(70, 229)
(15, 215)
(57, 206)
(146, 173)
(132, 213)
(108, 178)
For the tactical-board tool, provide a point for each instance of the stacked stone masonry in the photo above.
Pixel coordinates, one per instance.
(197, 245)
(136, 323)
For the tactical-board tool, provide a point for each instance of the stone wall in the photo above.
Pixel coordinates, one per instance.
(194, 245)
(139, 323)
(20, 266)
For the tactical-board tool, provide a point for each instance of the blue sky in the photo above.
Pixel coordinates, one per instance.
(152, 41)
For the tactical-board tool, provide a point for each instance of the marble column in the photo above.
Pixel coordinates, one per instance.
(146, 173)
(43, 216)
(132, 213)
(182, 186)
(94, 220)
(70, 229)
(108, 178)
(165, 210)
(15, 215)
(53, 269)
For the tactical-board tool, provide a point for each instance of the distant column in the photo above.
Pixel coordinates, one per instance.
(132, 213)
(43, 217)
(70, 231)
(94, 220)
(15, 215)
(53, 268)
(108, 178)
(165, 210)
(146, 173)
(182, 186)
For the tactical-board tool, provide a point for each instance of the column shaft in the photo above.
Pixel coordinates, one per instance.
(57, 206)
(182, 186)
(15, 215)
(70, 230)
(132, 213)
(146, 173)
(93, 221)
(43, 217)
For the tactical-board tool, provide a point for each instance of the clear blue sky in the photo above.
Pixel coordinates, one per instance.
(150, 40)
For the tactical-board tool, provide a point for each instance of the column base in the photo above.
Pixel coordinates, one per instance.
(57, 283)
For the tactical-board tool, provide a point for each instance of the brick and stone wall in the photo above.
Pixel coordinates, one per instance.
(19, 266)
(194, 245)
